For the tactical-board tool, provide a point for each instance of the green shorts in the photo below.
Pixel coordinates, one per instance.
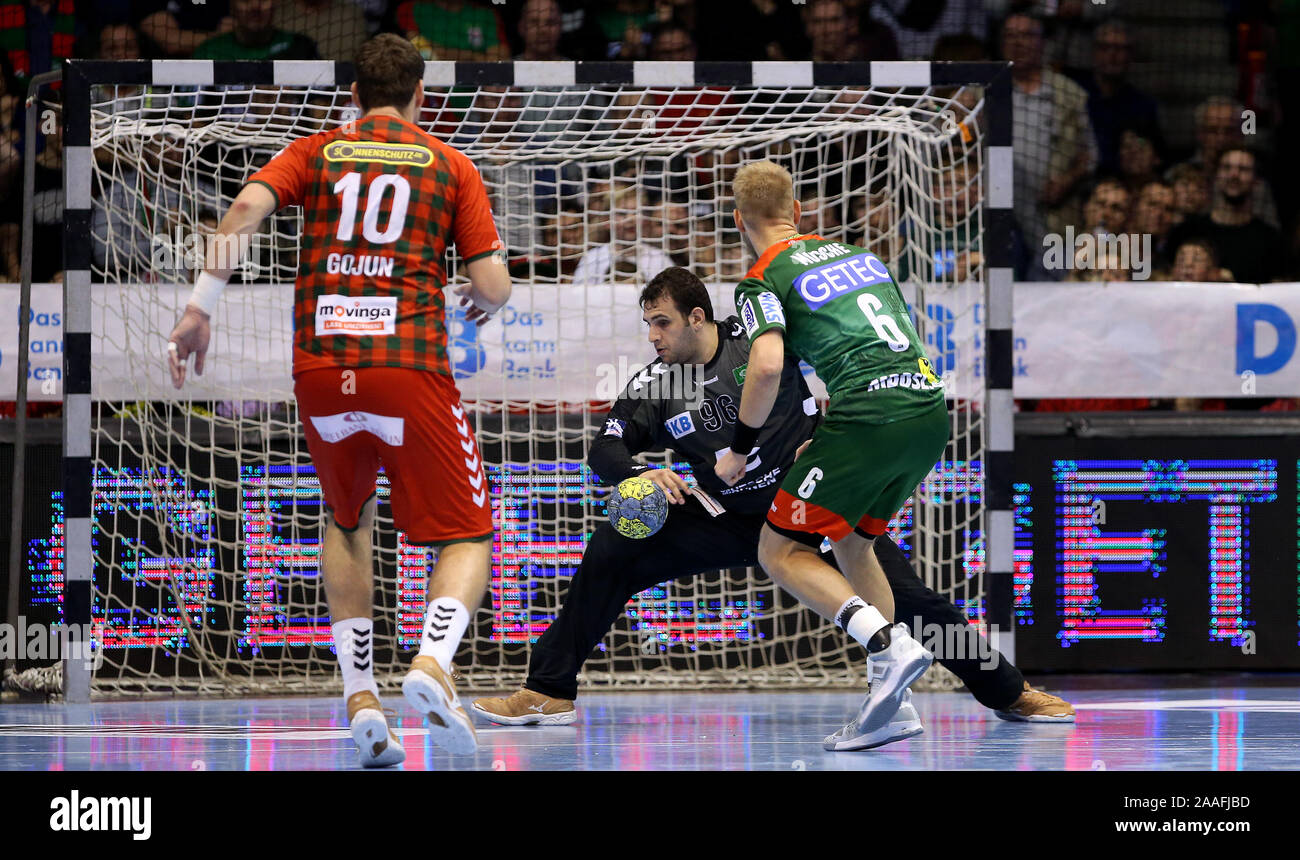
(856, 475)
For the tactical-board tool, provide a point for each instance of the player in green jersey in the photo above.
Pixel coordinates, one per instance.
(836, 306)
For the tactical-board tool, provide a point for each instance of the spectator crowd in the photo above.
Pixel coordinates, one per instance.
(1095, 152)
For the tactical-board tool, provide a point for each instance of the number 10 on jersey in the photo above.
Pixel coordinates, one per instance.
(350, 187)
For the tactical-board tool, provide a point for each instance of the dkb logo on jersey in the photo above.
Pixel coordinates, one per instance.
(938, 338)
(467, 356)
(680, 425)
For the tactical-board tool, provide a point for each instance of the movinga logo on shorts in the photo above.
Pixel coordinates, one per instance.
(818, 286)
(383, 153)
(355, 315)
(390, 429)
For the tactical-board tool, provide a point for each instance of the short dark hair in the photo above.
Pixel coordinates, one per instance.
(388, 70)
(1238, 147)
(1168, 186)
(1205, 245)
(959, 47)
(686, 291)
(1027, 12)
(124, 25)
(673, 24)
(1105, 180)
(1187, 172)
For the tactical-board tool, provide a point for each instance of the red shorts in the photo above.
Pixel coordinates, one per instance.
(412, 423)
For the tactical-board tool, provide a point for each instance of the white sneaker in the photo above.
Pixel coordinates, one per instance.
(376, 743)
(430, 691)
(891, 672)
(905, 724)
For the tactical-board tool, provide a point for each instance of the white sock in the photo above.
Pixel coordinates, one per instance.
(444, 623)
(354, 643)
(863, 620)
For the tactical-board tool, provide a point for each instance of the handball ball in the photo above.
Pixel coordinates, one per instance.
(637, 508)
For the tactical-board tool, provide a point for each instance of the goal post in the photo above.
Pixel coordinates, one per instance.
(190, 532)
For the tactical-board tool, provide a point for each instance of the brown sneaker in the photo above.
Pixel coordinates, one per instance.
(430, 691)
(1035, 706)
(526, 708)
(375, 741)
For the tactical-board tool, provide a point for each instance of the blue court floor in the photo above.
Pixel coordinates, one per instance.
(1163, 727)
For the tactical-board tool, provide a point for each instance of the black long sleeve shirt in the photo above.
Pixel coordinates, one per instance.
(694, 414)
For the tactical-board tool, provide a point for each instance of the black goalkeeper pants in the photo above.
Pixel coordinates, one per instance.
(992, 679)
(614, 569)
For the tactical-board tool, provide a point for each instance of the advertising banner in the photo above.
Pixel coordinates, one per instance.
(582, 343)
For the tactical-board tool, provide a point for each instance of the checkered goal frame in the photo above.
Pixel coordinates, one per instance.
(192, 520)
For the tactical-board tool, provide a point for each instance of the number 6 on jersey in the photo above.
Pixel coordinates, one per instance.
(884, 324)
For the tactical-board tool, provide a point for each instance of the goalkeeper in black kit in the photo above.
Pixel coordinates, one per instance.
(714, 526)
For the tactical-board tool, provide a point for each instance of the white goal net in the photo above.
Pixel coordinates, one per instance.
(207, 516)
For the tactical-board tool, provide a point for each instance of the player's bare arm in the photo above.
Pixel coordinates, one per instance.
(488, 289)
(191, 334)
(762, 383)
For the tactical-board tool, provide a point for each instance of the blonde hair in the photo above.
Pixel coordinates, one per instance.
(763, 190)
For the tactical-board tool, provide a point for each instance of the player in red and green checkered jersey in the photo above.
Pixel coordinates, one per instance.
(835, 306)
(382, 201)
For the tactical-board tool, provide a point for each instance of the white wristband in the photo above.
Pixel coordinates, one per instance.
(207, 291)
